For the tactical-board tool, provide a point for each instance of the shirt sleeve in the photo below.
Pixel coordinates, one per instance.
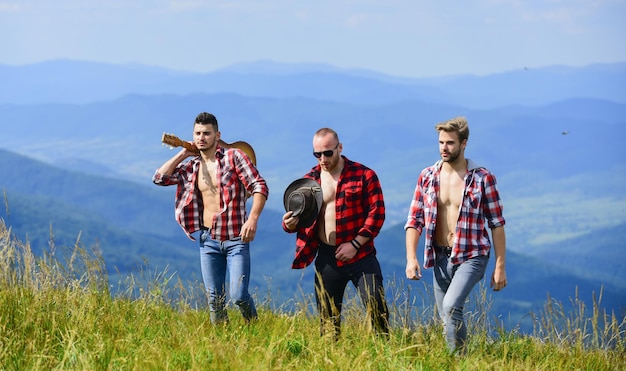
(376, 213)
(415, 218)
(492, 207)
(181, 171)
(250, 176)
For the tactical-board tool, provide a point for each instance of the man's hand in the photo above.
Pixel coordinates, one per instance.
(187, 153)
(291, 222)
(413, 270)
(498, 279)
(248, 231)
(345, 252)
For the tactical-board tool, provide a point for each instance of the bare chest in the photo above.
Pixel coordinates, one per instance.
(329, 188)
(207, 177)
(451, 187)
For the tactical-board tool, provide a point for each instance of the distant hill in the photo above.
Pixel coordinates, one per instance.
(67, 81)
(595, 257)
(524, 146)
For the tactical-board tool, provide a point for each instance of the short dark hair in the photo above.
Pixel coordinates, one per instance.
(206, 118)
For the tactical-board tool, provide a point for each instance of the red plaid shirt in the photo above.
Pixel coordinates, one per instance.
(360, 210)
(237, 176)
(481, 201)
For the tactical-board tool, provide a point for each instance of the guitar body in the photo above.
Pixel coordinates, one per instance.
(174, 141)
(244, 146)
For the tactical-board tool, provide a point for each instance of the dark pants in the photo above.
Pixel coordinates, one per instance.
(331, 282)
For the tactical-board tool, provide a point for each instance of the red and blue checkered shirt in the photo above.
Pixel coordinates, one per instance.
(237, 175)
(481, 202)
(360, 210)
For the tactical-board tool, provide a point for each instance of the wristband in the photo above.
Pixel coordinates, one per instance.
(355, 244)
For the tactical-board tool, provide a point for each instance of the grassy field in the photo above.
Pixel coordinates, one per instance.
(59, 312)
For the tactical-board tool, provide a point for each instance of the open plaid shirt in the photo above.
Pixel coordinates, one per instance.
(360, 210)
(481, 201)
(237, 176)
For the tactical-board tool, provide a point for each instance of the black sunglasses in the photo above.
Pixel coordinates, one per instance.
(328, 153)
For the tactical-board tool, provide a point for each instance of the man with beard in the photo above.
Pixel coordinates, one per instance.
(211, 199)
(452, 201)
(342, 235)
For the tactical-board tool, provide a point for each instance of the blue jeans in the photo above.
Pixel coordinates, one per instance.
(215, 258)
(453, 284)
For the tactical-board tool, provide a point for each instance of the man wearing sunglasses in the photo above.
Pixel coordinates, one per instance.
(341, 239)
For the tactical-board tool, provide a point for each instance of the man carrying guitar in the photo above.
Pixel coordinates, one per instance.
(211, 195)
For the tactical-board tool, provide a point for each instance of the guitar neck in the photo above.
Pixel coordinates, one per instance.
(189, 147)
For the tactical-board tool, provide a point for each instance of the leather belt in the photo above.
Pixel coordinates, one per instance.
(443, 250)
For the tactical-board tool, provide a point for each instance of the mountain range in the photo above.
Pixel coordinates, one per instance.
(81, 141)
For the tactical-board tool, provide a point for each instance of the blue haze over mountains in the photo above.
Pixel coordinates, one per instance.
(80, 141)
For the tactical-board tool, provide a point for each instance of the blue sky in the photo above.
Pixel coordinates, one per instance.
(414, 38)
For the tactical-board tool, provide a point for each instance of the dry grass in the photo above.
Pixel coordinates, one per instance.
(58, 312)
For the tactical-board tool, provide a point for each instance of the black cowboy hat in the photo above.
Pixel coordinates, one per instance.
(304, 198)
